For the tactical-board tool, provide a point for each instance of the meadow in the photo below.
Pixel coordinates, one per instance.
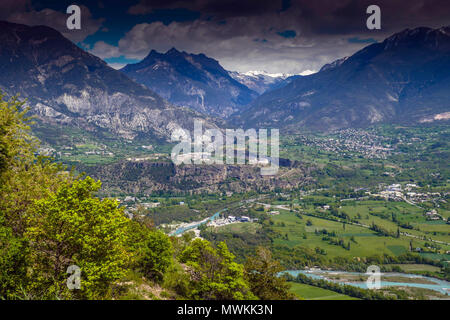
(308, 292)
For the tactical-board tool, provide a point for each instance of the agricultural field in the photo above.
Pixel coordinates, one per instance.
(308, 292)
(237, 228)
(294, 231)
(415, 267)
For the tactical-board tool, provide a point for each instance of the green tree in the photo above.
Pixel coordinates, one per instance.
(262, 273)
(213, 272)
(72, 227)
(155, 255)
(13, 263)
(24, 178)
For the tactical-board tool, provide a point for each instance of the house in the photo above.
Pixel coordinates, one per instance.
(151, 204)
(394, 187)
(129, 199)
(244, 219)
(433, 215)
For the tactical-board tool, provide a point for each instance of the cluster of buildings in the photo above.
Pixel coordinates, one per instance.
(393, 191)
(433, 215)
(358, 141)
(228, 220)
(48, 151)
(99, 152)
(422, 197)
(133, 203)
(155, 156)
(398, 193)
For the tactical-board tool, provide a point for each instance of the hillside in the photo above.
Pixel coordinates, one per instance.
(191, 80)
(66, 85)
(404, 79)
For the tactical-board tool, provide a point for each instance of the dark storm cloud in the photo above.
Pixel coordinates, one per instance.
(217, 9)
(319, 16)
(279, 35)
(24, 12)
(348, 16)
(9, 7)
(298, 35)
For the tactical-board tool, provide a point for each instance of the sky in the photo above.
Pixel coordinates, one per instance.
(276, 36)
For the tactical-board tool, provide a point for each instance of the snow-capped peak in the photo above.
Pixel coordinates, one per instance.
(255, 73)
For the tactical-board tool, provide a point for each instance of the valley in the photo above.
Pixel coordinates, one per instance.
(374, 196)
(363, 177)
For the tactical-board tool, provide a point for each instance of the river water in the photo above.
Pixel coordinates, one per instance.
(194, 225)
(441, 286)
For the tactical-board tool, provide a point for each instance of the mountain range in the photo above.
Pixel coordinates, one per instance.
(191, 80)
(404, 79)
(66, 85)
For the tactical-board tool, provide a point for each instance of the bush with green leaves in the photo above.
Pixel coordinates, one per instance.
(262, 273)
(156, 255)
(73, 227)
(24, 178)
(213, 273)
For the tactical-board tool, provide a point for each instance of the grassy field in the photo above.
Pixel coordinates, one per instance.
(243, 227)
(416, 267)
(308, 292)
(363, 241)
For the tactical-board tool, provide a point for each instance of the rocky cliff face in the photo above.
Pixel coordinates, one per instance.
(64, 84)
(191, 80)
(145, 177)
(404, 79)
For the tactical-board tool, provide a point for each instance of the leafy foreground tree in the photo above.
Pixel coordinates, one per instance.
(154, 252)
(13, 262)
(72, 227)
(50, 220)
(214, 274)
(262, 273)
(24, 178)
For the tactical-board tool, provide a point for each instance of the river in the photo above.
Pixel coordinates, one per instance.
(441, 286)
(194, 225)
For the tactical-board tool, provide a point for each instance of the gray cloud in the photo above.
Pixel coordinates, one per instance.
(10, 7)
(245, 35)
(236, 44)
(22, 13)
(319, 16)
(218, 9)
